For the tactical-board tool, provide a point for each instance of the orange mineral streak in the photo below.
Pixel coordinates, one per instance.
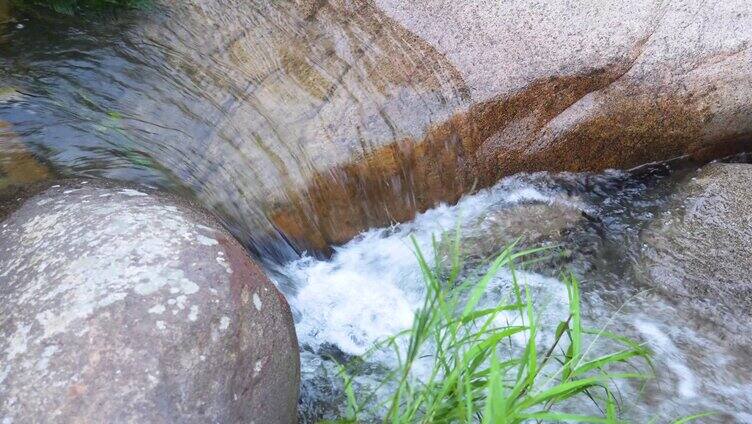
(472, 150)
(17, 165)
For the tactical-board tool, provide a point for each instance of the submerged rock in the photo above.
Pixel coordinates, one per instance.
(21, 174)
(17, 165)
(553, 225)
(531, 224)
(5, 14)
(123, 305)
(700, 251)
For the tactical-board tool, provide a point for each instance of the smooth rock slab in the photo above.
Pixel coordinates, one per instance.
(122, 305)
(319, 119)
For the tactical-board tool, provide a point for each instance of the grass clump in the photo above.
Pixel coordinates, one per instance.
(484, 369)
(72, 7)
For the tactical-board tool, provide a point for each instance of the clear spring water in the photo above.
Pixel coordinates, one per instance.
(371, 287)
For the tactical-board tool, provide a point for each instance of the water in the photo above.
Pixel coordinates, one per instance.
(371, 287)
(239, 104)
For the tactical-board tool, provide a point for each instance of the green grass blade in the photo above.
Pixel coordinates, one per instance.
(693, 417)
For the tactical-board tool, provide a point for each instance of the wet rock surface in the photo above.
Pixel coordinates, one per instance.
(17, 165)
(530, 224)
(306, 122)
(21, 174)
(699, 251)
(417, 112)
(5, 12)
(553, 226)
(122, 305)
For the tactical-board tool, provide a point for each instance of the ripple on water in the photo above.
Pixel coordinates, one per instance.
(238, 103)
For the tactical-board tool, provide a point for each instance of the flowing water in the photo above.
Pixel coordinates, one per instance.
(238, 103)
(238, 110)
(372, 285)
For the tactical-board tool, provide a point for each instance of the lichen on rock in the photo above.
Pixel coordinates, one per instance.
(113, 307)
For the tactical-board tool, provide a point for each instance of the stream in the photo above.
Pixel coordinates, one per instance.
(372, 285)
(105, 101)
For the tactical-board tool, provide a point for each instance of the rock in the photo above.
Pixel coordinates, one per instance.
(700, 251)
(530, 225)
(429, 101)
(17, 165)
(5, 15)
(21, 174)
(319, 119)
(124, 305)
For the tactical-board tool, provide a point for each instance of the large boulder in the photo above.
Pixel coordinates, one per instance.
(364, 112)
(318, 119)
(699, 252)
(123, 305)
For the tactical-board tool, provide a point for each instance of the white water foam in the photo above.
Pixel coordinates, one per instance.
(371, 287)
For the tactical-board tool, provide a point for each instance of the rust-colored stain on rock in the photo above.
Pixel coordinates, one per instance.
(17, 165)
(398, 180)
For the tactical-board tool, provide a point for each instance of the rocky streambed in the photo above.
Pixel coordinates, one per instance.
(151, 161)
(120, 302)
(303, 123)
(645, 274)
